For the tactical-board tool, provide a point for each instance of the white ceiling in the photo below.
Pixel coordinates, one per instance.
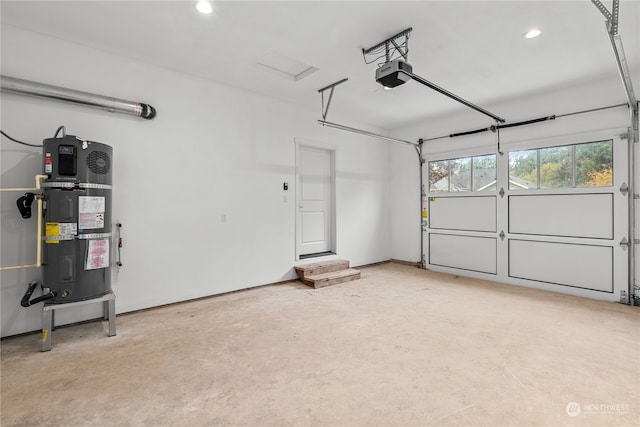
(474, 49)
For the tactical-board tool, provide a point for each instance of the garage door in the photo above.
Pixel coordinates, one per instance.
(550, 216)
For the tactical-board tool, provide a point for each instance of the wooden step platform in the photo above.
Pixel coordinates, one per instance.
(321, 274)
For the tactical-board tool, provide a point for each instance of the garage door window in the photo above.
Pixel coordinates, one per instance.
(594, 164)
(579, 165)
(523, 169)
(463, 174)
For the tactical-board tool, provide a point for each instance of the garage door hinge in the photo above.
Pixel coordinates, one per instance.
(624, 243)
(624, 299)
(636, 241)
(501, 192)
(501, 235)
(632, 133)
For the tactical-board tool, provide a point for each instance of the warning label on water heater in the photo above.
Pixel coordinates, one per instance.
(48, 163)
(97, 254)
(56, 231)
(91, 212)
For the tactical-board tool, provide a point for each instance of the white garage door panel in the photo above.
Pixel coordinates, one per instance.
(571, 215)
(465, 252)
(581, 266)
(463, 213)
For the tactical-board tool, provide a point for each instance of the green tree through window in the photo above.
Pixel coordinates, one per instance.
(594, 164)
(580, 165)
(555, 167)
(523, 170)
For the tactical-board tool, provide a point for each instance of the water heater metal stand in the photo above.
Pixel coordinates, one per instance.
(48, 320)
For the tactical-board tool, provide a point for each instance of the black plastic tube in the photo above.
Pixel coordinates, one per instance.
(25, 299)
(32, 286)
(44, 297)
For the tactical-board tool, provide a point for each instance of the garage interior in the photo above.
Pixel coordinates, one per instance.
(476, 181)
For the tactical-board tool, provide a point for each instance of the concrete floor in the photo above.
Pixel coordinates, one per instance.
(399, 347)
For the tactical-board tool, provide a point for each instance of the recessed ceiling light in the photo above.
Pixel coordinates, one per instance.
(204, 7)
(532, 33)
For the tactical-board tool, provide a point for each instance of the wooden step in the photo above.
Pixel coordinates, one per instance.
(331, 278)
(321, 268)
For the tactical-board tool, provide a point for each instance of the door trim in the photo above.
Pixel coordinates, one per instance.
(332, 149)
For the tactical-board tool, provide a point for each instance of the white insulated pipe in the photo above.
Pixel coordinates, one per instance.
(38, 263)
(39, 179)
(57, 93)
(39, 235)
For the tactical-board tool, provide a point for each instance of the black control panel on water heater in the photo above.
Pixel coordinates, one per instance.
(67, 160)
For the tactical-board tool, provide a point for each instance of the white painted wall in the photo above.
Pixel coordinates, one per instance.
(212, 150)
(405, 202)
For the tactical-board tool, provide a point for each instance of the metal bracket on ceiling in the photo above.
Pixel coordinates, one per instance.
(612, 17)
(616, 44)
(419, 152)
(402, 48)
(324, 121)
(496, 129)
(325, 110)
(363, 132)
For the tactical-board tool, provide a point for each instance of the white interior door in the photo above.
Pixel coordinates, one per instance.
(314, 201)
